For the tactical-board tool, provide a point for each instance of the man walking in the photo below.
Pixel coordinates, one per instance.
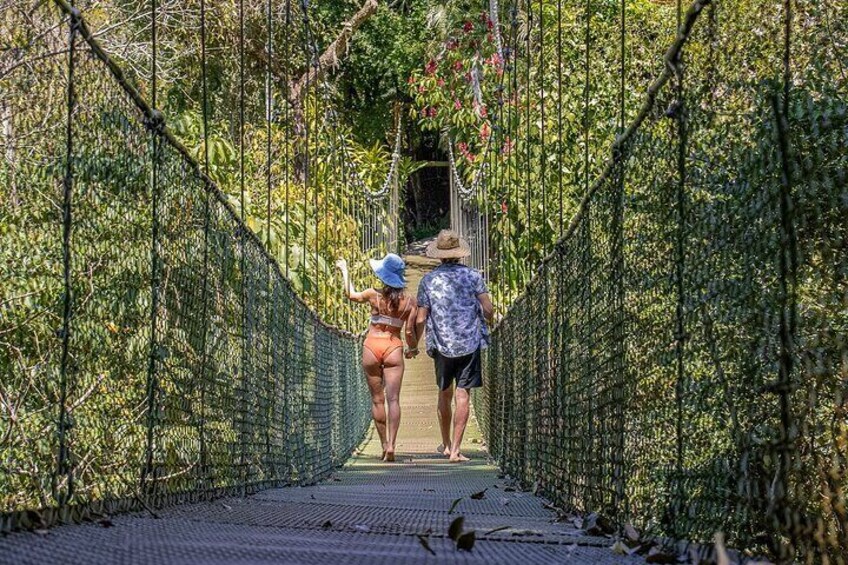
(454, 304)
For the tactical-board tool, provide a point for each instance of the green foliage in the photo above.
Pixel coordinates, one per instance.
(534, 118)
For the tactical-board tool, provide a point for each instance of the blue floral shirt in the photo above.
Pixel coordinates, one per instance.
(455, 324)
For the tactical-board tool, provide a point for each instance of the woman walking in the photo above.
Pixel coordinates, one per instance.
(392, 310)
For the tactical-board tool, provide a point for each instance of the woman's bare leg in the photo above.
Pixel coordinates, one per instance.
(393, 377)
(374, 375)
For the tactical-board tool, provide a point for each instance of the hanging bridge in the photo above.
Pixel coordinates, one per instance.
(180, 382)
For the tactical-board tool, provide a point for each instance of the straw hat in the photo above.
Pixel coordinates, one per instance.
(448, 245)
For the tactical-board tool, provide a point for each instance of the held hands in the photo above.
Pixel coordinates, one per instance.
(411, 353)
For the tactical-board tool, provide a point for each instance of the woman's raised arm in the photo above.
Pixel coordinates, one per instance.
(347, 285)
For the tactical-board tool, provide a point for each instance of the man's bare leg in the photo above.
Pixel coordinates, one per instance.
(460, 420)
(445, 400)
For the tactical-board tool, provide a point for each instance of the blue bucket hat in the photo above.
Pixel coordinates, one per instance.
(390, 270)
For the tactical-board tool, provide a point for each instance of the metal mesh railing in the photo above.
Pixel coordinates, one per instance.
(152, 351)
(679, 360)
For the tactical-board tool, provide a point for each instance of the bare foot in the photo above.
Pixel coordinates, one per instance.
(458, 458)
(444, 450)
(383, 456)
(389, 456)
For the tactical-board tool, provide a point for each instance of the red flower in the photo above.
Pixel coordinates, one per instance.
(470, 157)
(411, 80)
(490, 24)
(440, 82)
(457, 105)
(467, 26)
(507, 146)
(483, 112)
(424, 112)
(484, 17)
(451, 45)
(432, 112)
(457, 66)
(421, 89)
(463, 147)
(503, 207)
(484, 132)
(430, 67)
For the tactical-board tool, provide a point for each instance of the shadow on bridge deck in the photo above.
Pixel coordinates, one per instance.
(369, 512)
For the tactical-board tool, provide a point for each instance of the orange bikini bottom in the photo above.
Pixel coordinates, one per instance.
(382, 344)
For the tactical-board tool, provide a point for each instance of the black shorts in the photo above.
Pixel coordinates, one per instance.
(466, 371)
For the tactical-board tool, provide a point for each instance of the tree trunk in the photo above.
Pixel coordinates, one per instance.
(334, 52)
(296, 88)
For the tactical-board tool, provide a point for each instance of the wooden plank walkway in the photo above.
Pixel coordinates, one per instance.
(369, 512)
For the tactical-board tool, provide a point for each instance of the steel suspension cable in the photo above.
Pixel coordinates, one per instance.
(304, 98)
(63, 466)
(680, 206)
(528, 229)
(271, 384)
(269, 118)
(245, 338)
(152, 365)
(559, 118)
(542, 149)
(586, 96)
(203, 469)
(287, 136)
(515, 115)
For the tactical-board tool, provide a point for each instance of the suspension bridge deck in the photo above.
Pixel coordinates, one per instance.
(368, 512)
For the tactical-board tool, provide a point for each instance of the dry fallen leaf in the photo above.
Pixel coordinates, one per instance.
(455, 528)
(453, 505)
(620, 548)
(466, 541)
(425, 543)
(500, 529)
(631, 533)
(327, 524)
(596, 525)
(479, 495)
